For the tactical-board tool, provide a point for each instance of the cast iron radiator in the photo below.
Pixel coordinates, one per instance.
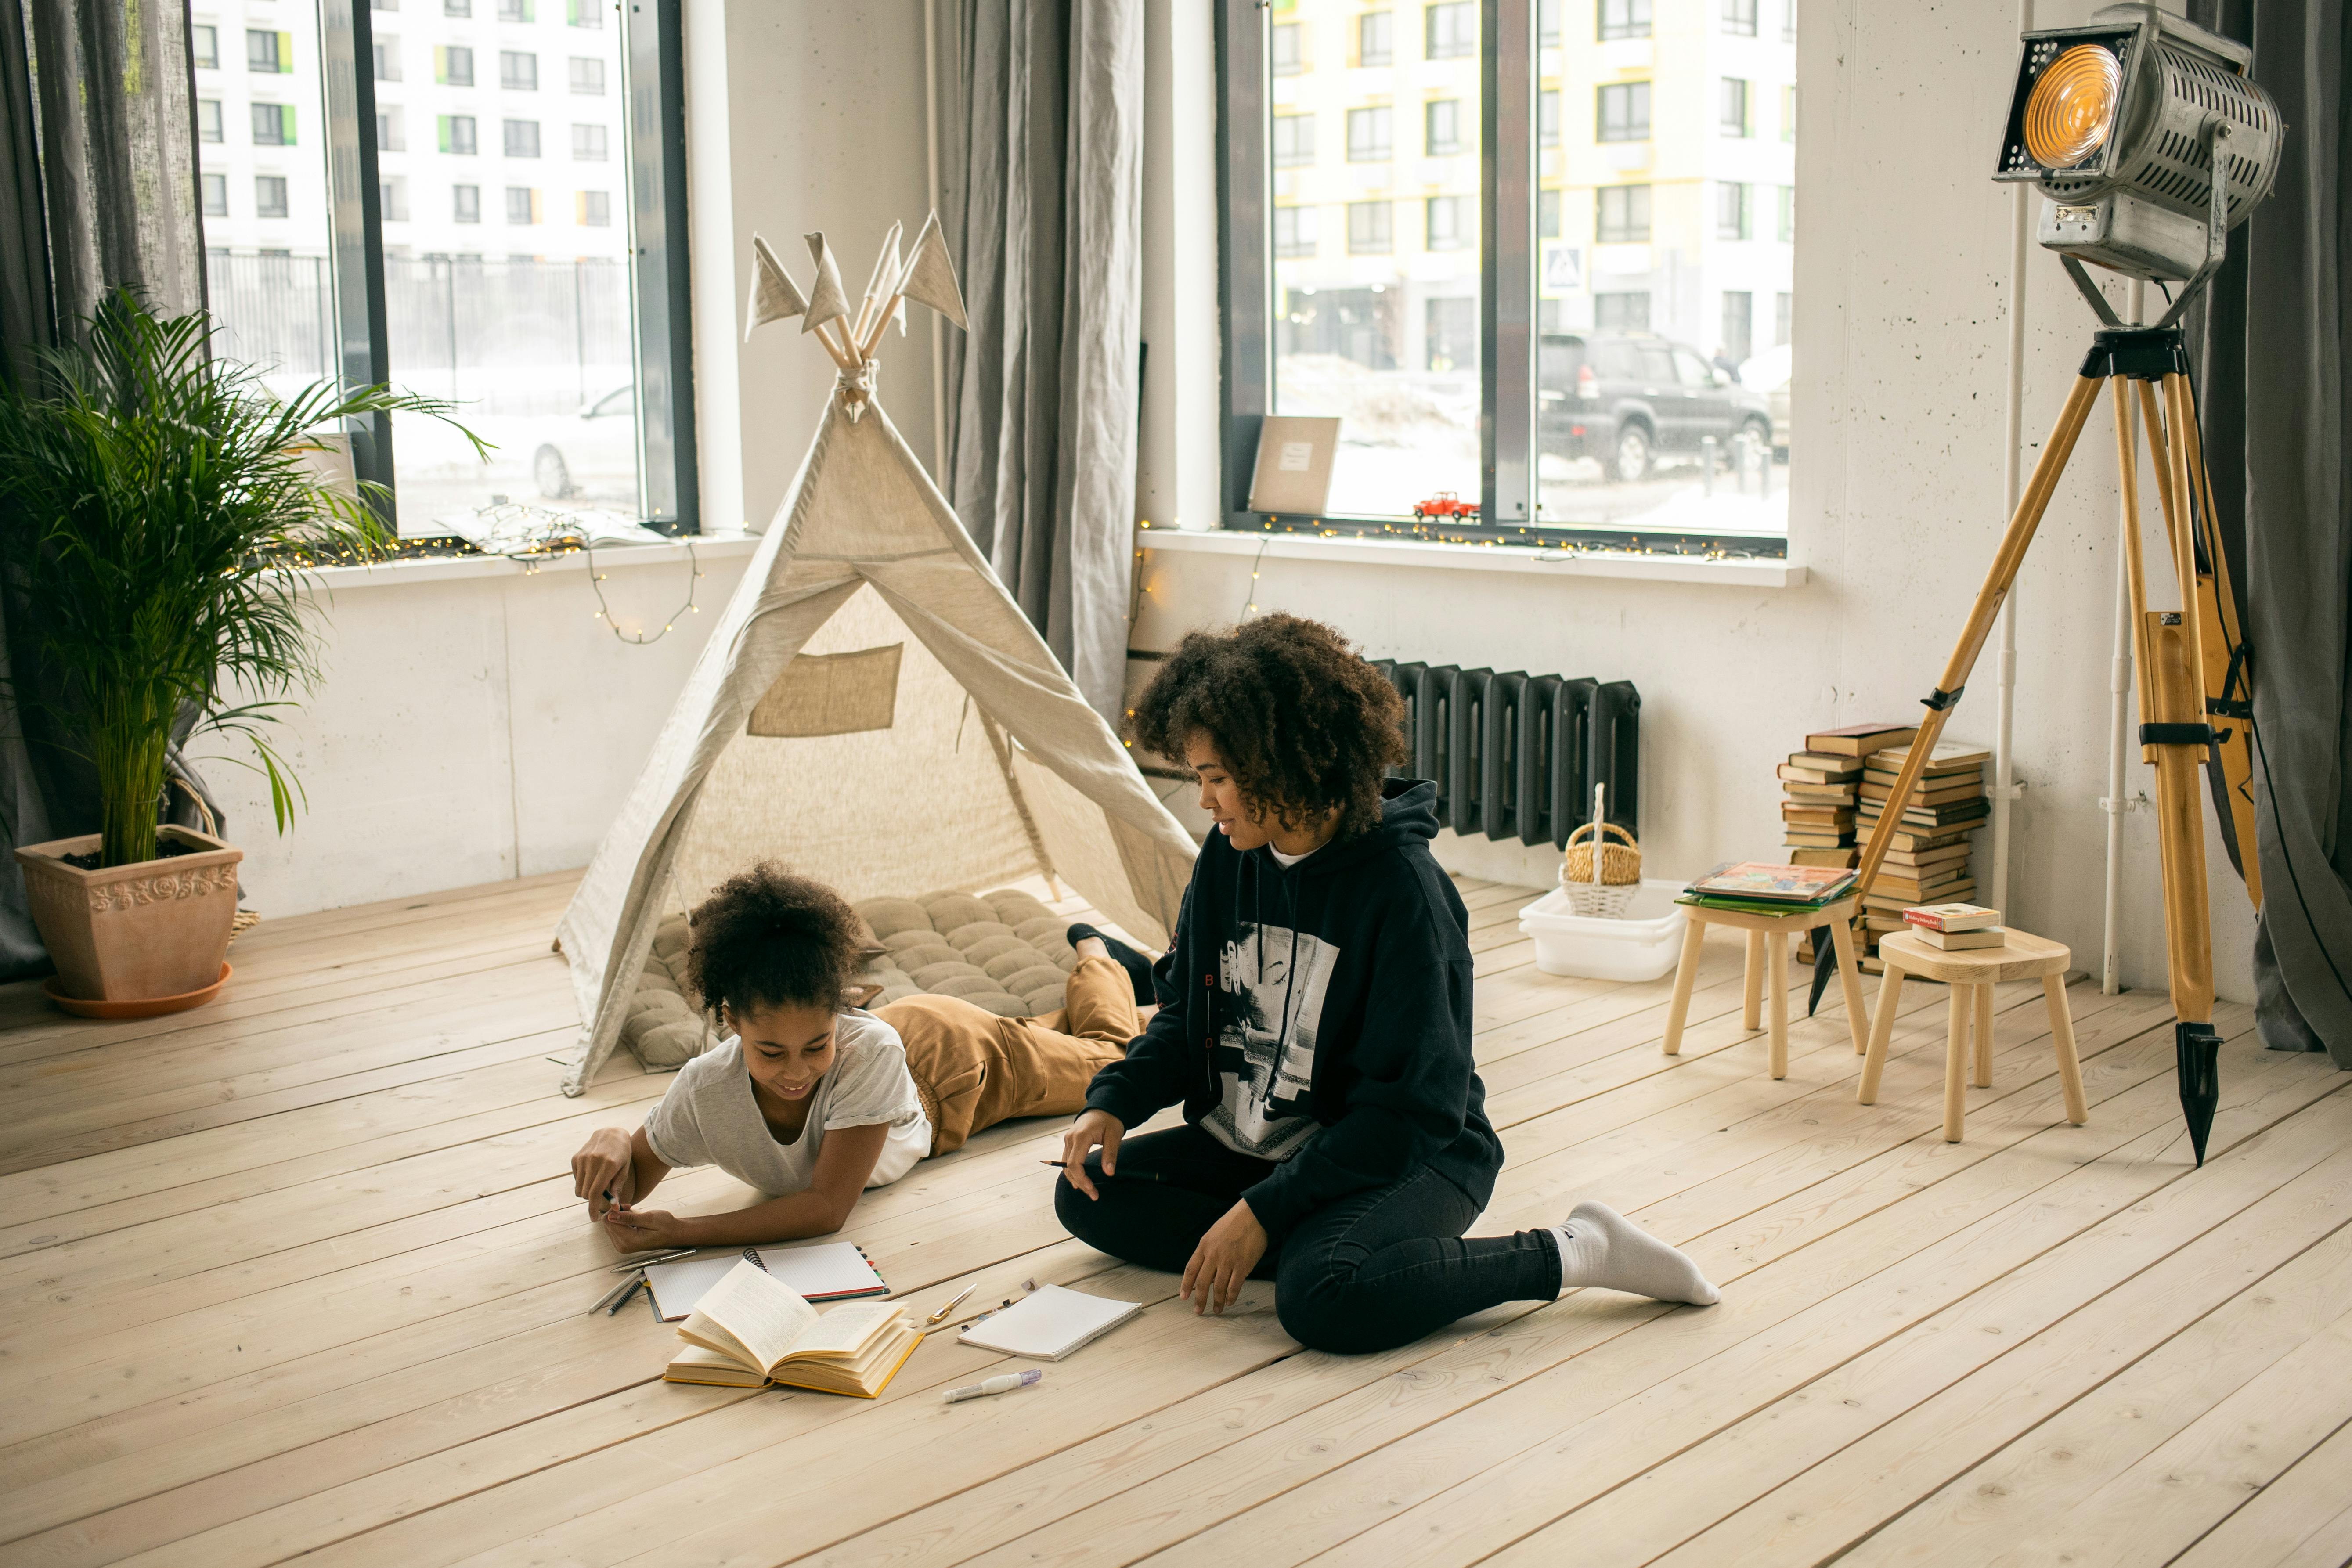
(1515, 755)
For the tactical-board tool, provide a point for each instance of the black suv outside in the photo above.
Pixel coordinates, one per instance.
(1628, 398)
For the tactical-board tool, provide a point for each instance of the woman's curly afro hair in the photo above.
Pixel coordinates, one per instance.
(767, 938)
(1304, 725)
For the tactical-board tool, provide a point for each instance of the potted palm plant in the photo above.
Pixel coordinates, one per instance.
(159, 512)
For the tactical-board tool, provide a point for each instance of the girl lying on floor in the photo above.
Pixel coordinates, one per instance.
(816, 1100)
(1317, 1031)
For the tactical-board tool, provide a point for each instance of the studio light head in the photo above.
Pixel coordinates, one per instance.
(2115, 123)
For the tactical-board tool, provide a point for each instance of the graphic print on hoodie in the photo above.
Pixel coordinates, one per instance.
(1264, 1056)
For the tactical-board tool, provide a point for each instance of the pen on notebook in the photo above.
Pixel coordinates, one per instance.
(650, 1257)
(1003, 1384)
(625, 1295)
(956, 1300)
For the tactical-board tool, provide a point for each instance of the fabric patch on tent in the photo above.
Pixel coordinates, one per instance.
(831, 694)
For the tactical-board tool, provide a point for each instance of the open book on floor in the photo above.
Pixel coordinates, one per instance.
(829, 1271)
(751, 1330)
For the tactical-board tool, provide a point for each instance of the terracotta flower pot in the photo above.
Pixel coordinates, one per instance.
(126, 934)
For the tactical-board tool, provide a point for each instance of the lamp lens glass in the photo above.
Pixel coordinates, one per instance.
(2073, 106)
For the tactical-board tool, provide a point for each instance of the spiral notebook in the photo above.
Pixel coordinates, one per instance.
(832, 1271)
(1049, 1324)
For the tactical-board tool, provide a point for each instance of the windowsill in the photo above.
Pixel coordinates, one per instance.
(444, 569)
(1478, 557)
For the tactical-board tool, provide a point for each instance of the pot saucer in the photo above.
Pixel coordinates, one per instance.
(136, 1007)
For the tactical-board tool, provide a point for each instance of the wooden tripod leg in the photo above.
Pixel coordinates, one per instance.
(2218, 633)
(2014, 541)
(1751, 982)
(2180, 823)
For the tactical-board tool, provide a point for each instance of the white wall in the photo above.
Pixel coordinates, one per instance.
(1901, 337)
(474, 721)
(800, 118)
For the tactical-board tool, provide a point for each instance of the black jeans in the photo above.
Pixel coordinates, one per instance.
(1376, 1270)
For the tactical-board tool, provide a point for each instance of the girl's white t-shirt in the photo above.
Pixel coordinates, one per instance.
(710, 1116)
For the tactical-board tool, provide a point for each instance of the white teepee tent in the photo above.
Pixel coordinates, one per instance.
(872, 708)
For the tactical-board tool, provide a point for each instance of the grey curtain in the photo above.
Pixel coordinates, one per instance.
(98, 190)
(2272, 345)
(1044, 166)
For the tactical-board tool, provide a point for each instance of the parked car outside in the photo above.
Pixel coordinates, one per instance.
(1768, 373)
(1627, 399)
(602, 456)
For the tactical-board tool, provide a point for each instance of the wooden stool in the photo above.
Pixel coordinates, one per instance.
(1768, 951)
(1971, 975)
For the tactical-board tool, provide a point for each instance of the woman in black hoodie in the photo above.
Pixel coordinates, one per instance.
(1315, 1023)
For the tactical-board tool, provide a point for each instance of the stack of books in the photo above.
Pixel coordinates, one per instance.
(1756, 887)
(1822, 786)
(1928, 856)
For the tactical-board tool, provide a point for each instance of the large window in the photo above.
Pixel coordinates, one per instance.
(1372, 296)
(1573, 327)
(346, 236)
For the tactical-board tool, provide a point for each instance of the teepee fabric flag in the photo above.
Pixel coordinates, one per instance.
(826, 301)
(774, 296)
(930, 278)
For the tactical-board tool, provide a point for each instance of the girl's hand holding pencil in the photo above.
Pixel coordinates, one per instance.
(1091, 1128)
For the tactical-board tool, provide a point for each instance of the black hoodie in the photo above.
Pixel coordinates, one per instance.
(1350, 970)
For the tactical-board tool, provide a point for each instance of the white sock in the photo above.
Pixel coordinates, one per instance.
(1598, 1246)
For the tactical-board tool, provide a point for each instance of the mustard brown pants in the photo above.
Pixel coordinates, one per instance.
(973, 1069)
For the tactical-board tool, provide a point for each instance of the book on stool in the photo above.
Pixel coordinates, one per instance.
(1957, 927)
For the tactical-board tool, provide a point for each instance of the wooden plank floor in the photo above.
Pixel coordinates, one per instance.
(299, 1274)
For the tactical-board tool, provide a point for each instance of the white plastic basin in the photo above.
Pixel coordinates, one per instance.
(1641, 944)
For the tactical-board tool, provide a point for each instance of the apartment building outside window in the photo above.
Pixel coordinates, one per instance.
(1451, 30)
(273, 124)
(1294, 141)
(1623, 111)
(1622, 215)
(1376, 39)
(1732, 107)
(517, 70)
(1739, 18)
(1445, 134)
(1370, 134)
(1371, 227)
(1293, 231)
(521, 138)
(1730, 210)
(1453, 223)
(1624, 19)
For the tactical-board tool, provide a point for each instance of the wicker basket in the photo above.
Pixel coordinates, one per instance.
(1620, 872)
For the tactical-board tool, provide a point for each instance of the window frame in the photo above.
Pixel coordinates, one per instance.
(653, 134)
(1508, 315)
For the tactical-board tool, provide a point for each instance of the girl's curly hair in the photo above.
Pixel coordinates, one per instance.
(768, 937)
(1301, 722)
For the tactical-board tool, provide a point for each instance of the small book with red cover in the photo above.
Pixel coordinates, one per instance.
(1953, 917)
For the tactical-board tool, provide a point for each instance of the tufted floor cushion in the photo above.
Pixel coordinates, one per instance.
(1003, 951)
